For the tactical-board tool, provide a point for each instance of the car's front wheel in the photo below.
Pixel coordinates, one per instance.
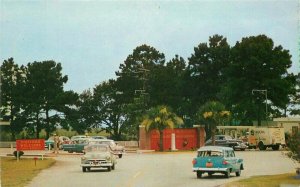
(83, 169)
(113, 167)
(227, 173)
(238, 173)
(261, 146)
(109, 168)
(120, 155)
(199, 174)
(275, 147)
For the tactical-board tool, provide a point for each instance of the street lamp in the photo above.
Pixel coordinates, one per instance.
(266, 94)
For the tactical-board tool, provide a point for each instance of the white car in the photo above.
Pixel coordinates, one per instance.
(98, 156)
(116, 149)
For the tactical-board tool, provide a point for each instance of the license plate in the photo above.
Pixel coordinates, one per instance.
(209, 164)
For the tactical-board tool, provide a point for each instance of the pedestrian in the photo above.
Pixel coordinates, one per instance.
(56, 143)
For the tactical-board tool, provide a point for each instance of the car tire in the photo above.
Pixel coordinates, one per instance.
(275, 147)
(261, 146)
(238, 173)
(83, 169)
(210, 174)
(89, 168)
(109, 168)
(120, 155)
(227, 174)
(199, 174)
(113, 167)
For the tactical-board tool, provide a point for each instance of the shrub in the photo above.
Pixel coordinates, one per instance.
(294, 145)
(20, 153)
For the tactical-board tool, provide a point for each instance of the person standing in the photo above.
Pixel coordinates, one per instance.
(56, 143)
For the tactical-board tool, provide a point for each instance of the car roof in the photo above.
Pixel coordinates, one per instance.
(93, 145)
(99, 137)
(100, 140)
(214, 148)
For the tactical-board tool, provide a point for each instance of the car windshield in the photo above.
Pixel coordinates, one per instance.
(209, 153)
(96, 148)
(111, 143)
(80, 141)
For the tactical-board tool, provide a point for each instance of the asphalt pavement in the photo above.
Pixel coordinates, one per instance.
(156, 169)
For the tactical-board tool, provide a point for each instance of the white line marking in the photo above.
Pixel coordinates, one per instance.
(137, 174)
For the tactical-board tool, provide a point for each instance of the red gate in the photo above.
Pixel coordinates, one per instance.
(185, 139)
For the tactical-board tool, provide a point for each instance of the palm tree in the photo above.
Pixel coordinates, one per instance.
(213, 113)
(160, 118)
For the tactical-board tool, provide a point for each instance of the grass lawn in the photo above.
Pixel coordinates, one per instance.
(266, 181)
(19, 173)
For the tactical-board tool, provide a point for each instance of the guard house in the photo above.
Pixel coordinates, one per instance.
(290, 124)
(173, 139)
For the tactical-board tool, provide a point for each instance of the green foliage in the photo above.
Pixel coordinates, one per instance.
(257, 64)
(160, 118)
(295, 98)
(12, 98)
(212, 113)
(33, 97)
(206, 71)
(45, 95)
(18, 155)
(294, 146)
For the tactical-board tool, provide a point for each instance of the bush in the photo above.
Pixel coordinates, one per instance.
(294, 146)
(20, 153)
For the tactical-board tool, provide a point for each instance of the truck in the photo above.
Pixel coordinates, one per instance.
(256, 137)
(268, 137)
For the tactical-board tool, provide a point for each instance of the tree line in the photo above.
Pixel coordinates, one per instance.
(250, 79)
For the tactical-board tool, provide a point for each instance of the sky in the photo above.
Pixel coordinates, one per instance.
(92, 38)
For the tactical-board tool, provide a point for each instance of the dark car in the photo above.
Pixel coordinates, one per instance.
(227, 141)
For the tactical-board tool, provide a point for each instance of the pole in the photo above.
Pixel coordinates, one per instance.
(266, 94)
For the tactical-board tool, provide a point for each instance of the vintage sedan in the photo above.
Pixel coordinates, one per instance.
(216, 159)
(227, 141)
(98, 156)
(50, 142)
(76, 145)
(116, 149)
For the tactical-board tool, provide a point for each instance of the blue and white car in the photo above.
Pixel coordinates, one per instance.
(217, 159)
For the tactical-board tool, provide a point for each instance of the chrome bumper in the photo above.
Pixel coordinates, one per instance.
(210, 169)
(98, 164)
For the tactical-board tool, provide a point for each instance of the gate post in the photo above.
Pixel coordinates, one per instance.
(173, 142)
(144, 138)
(200, 135)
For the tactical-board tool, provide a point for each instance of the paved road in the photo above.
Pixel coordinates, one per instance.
(159, 170)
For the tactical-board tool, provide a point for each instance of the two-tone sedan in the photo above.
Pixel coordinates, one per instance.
(98, 156)
(217, 159)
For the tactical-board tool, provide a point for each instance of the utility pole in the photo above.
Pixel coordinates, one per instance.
(265, 92)
(144, 73)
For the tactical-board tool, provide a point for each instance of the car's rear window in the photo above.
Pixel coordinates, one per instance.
(209, 153)
(96, 149)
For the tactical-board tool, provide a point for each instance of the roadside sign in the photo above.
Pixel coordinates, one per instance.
(30, 144)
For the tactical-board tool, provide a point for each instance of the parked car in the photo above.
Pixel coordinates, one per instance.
(62, 139)
(76, 145)
(228, 141)
(79, 137)
(217, 159)
(98, 137)
(98, 156)
(116, 149)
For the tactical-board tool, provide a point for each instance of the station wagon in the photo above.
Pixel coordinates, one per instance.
(217, 159)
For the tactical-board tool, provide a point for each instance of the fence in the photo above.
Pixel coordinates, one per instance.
(123, 143)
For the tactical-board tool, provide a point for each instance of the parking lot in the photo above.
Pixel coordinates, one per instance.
(157, 169)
